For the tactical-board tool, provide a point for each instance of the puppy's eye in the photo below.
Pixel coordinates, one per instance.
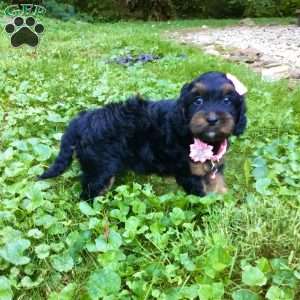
(226, 100)
(199, 101)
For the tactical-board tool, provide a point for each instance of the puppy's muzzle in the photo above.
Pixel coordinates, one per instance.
(211, 126)
(212, 118)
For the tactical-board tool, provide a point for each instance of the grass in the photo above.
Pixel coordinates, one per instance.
(145, 239)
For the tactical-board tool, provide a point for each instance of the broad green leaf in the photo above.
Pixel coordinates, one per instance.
(67, 293)
(103, 283)
(114, 239)
(45, 220)
(54, 117)
(253, 276)
(100, 245)
(131, 226)
(111, 258)
(13, 252)
(214, 291)
(28, 283)
(177, 216)
(138, 287)
(138, 207)
(62, 263)
(189, 292)
(86, 209)
(285, 278)
(187, 262)
(260, 170)
(43, 152)
(35, 233)
(216, 260)
(8, 234)
(76, 242)
(5, 289)
(262, 184)
(276, 293)
(57, 247)
(264, 265)
(42, 251)
(34, 199)
(93, 222)
(245, 295)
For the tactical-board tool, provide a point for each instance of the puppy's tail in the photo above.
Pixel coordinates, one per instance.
(64, 158)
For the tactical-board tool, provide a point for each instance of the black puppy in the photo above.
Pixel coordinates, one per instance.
(156, 137)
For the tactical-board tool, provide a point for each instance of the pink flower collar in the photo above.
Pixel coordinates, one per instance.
(201, 152)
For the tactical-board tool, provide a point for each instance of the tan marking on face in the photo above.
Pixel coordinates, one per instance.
(198, 120)
(226, 124)
(227, 88)
(215, 185)
(199, 88)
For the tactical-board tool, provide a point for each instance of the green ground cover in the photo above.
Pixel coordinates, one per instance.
(145, 239)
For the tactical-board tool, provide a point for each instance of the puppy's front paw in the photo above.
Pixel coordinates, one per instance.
(215, 184)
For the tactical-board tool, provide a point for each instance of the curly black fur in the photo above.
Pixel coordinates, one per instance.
(143, 136)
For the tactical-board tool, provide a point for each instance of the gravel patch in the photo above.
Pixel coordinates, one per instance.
(272, 50)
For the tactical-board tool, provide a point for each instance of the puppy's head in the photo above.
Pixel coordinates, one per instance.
(212, 108)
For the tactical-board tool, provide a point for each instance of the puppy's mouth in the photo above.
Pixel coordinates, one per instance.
(215, 134)
(201, 151)
(216, 146)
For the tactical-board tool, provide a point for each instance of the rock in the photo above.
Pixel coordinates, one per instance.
(248, 55)
(205, 40)
(212, 52)
(257, 64)
(271, 64)
(235, 58)
(275, 73)
(247, 22)
(295, 74)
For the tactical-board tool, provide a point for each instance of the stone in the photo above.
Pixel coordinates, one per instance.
(271, 64)
(247, 22)
(248, 55)
(205, 40)
(295, 74)
(235, 58)
(275, 73)
(212, 52)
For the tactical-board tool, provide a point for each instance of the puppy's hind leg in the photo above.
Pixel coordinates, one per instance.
(97, 181)
(96, 186)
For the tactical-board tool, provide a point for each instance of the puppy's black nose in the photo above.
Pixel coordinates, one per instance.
(212, 118)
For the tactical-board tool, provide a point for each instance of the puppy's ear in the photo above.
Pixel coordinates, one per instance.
(185, 90)
(184, 93)
(178, 122)
(241, 122)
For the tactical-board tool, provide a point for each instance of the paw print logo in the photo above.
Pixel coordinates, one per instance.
(24, 31)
